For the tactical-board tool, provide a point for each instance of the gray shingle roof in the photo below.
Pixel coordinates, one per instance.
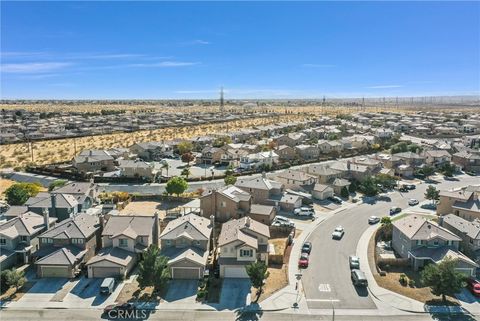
(25, 224)
(196, 227)
(78, 226)
(141, 225)
(471, 229)
(115, 255)
(418, 228)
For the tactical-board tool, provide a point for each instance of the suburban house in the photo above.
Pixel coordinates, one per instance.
(468, 231)
(437, 158)
(152, 151)
(425, 242)
(293, 179)
(263, 190)
(330, 146)
(286, 153)
(463, 203)
(291, 139)
(225, 203)
(349, 170)
(289, 202)
(186, 242)
(321, 191)
(93, 160)
(469, 162)
(409, 158)
(66, 247)
(210, 155)
(124, 239)
(338, 184)
(136, 169)
(86, 193)
(240, 243)
(61, 206)
(257, 160)
(18, 238)
(324, 173)
(263, 213)
(308, 152)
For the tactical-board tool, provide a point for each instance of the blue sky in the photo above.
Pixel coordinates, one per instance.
(153, 50)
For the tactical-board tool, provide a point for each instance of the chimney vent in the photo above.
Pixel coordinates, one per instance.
(46, 218)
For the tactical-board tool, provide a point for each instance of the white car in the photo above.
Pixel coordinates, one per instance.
(373, 220)
(304, 211)
(338, 233)
(282, 221)
(412, 202)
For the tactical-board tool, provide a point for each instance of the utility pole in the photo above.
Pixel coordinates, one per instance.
(222, 102)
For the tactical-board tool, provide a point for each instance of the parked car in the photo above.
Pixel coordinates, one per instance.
(394, 210)
(107, 286)
(403, 188)
(471, 173)
(412, 202)
(373, 220)
(411, 186)
(474, 286)
(303, 261)
(334, 199)
(354, 262)
(358, 278)
(304, 211)
(282, 221)
(307, 247)
(338, 233)
(119, 307)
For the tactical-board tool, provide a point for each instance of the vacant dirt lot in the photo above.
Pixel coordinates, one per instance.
(277, 280)
(144, 208)
(4, 184)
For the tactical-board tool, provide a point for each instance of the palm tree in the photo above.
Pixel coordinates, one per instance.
(186, 172)
(166, 166)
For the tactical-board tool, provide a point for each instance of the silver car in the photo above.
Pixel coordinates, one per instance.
(338, 233)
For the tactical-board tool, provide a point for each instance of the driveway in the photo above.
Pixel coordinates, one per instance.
(182, 291)
(44, 290)
(235, 293)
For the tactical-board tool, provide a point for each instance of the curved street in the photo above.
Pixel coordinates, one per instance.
(326, 282)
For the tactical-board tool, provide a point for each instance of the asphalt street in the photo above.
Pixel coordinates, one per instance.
(89, 314)
(326, 281)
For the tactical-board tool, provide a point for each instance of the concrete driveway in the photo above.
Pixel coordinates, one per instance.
(182, 291)
(44, 290)
(235, 293)
(86, 293)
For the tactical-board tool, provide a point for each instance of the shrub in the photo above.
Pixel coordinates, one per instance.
(411, 283)
(403, 279)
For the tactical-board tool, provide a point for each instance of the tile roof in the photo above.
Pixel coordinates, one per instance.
(115, 255)
(240, 230)
(191, 225)
(471, 229)
(78, 226)
(118, 224)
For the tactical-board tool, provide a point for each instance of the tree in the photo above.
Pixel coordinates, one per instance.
(428, 171)
(187, 158)
(166, 166)
(257, 271)
(221, 141)
(432, 193)
(230, 180)
(447, 169)
(153, 270)
(56, 183)
(176, 185)
(230, 170)
(185, 147)
(386, 221)
(369, 187)
(442, 278)
(386, 180)
(15, 278)
(19, 193)
(186, 172)
(414, 148)
(344, 192)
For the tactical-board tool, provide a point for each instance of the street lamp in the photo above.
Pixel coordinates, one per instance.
(299, 277)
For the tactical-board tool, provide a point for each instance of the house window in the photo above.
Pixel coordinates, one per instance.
(450, 243)
(419, 242)
(77, 241)
(435, 243)
(47, 240)
(3, 241)
(223, 204)
(123, 242)
(197, 242)
(23, 238)
(246, 253)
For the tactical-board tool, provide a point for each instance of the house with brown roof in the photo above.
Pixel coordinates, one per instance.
(296, 180)
(468, 231)
(424, 242)
(240, 243)
(263, 190)
(286, 153)
(437, 158)
(18, 237)
(124, 239)
(93, 160)
(186, 242)
(229, 202)
(66, 247)
(463, 203)
(468, 161)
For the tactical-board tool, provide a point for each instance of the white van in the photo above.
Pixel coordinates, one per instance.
(107, 286)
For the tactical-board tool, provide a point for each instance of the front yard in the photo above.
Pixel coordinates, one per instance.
(391, 281)
(132, 292)
(14, 295)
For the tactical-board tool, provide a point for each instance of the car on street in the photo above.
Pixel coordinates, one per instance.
(304, 211)
(334, 199)
(373, 220)
(119, 307)
(303, 261)
(411, 187)
(354, 262)
(307, 247)
(403, 188)
(394, 210)
(473, 285)
(412, 202)
(282, 221)
(338, 233)
(358, 278)
(471, 173)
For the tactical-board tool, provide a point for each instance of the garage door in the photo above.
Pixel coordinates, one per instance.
(185, 273)
(55, 272)
(235, 272)
(105, 272)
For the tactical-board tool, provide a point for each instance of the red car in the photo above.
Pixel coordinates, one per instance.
(474, 286)
(303, 261)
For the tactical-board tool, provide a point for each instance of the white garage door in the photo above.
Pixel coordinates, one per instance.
(236, 272)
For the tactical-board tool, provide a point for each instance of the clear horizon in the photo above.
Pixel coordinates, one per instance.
(284, 50)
